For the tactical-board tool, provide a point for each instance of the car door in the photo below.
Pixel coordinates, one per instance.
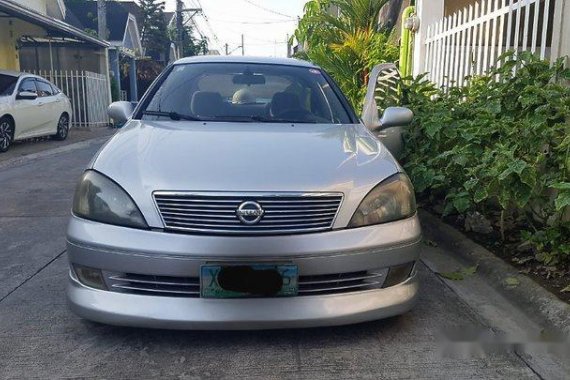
(383, 92)
(48, 105)
(27, 112)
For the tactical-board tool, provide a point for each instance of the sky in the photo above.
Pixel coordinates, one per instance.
(264, 23)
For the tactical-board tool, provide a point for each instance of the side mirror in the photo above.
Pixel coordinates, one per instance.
(396, 117)
(120, 112)
(26, 95)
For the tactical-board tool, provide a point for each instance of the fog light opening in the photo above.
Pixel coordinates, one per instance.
(398, 274)
(90, 277)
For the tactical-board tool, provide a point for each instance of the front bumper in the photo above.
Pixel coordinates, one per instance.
(157, 253)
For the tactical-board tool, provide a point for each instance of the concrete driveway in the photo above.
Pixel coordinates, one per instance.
(41, 338)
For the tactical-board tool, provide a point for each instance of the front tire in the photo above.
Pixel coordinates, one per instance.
(62, 128)
(6, 134)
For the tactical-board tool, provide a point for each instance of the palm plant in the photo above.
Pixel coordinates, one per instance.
(346, 43)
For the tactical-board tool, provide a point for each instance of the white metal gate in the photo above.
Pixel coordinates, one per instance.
(87, 91)
(469, 41)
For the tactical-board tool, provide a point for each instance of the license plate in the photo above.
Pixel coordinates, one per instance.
(249, 281)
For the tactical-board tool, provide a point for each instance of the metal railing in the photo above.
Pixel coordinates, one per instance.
(87, 91)
(470, 41)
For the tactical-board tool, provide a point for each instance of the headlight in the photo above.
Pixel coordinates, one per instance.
(102, 200)
(391, 200)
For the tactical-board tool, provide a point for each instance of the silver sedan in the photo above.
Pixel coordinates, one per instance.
(244, 193)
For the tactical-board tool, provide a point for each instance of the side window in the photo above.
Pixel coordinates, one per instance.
(28, 85)
(55, 89)
(44, 88)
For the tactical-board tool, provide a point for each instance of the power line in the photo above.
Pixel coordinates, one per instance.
(253, 22)
(268, 9)
(208, 26)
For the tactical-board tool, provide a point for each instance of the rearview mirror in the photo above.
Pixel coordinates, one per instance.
(396, 117)
(248, 79)
(27, 95)
(120, 112)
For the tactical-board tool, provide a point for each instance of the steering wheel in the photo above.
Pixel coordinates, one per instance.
(294, 114)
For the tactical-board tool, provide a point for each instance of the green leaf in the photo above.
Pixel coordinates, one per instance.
(561, 186)
(480, 194)
(516, 166)
(562, 200)
(469, 271)
(528, 176)
(461, 204)
(512, 282)
(471, 183)
(453, 276)
(460, 274)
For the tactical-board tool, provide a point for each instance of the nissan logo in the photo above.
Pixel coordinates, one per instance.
(250, 212)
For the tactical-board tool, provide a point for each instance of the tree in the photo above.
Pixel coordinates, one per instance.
(192, 45)
(154, 34)
(342, 37)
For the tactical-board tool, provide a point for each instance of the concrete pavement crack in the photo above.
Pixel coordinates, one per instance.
(529, 365)
(32, 276)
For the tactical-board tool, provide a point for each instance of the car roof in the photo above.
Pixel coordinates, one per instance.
(242, 59)
(17, 74)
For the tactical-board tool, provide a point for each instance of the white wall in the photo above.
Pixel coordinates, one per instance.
(52, 8)
(428, 11)
(37, 5)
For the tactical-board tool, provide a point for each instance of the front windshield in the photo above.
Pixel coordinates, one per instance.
(238, 92)
(7, 84)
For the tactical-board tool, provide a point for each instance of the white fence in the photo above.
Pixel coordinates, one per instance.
(87, 91)
(469, 41)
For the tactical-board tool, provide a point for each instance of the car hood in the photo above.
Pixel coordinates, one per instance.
(146, 156)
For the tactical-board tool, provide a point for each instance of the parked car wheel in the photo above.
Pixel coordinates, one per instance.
(6, 134)
(62, 128)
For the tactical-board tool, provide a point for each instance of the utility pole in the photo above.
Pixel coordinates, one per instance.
(288, 47)
(227, 49)
(242, 45)
(102, 19)
(180, 10)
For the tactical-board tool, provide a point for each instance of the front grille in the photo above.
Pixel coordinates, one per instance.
(315, 285)
(341, 282)
(216, 213)
(154, 285)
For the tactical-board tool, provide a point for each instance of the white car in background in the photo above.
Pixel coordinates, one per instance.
(31, 106)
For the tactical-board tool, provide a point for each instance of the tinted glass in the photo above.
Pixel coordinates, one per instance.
(55, 89)
(28, 85)
(44, 88)
(7, 84)
(248, 92)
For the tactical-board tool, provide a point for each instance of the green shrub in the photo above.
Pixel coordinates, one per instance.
(500, 147)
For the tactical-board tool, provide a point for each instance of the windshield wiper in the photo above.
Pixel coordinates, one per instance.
(172, 115)
(263, 119)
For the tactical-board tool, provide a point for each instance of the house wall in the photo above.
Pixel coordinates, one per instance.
(38, 57)
(37, 5)
(17, 55)
(11, 30)
(565, 33)
(452, 6)
(429, 12)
